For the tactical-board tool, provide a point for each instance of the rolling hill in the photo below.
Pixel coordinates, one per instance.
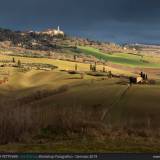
(51, 99)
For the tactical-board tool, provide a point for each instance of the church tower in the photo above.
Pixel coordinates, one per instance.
(58, 28)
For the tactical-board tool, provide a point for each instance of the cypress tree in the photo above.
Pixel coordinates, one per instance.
(19, 63)
(76, 67)
(13, 60)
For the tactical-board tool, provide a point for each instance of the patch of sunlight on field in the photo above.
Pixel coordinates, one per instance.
(86, 93)
(63, 65)
(121, 58)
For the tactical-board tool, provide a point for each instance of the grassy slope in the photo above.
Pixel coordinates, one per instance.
(89, 94)
(121, 58)
(138, 109)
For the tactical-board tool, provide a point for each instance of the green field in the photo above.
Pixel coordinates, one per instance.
(122, 58)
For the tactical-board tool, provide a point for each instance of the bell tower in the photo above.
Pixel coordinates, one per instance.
(58, 28)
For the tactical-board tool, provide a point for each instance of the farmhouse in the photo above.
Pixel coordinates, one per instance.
(139, 79)
(136, 80)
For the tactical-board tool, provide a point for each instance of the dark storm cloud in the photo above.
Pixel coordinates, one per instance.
(110, 20)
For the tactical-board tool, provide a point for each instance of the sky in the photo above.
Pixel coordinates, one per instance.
(119, 21)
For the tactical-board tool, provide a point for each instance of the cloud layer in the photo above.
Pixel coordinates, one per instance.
(110, 20)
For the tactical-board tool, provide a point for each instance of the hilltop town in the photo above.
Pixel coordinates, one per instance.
(52, 41)
(50, 32)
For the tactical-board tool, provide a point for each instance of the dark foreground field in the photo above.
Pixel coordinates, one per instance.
(57, 112)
